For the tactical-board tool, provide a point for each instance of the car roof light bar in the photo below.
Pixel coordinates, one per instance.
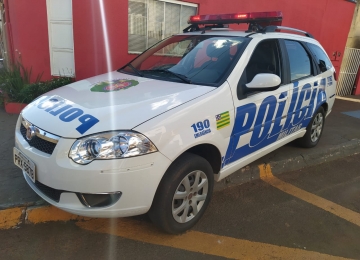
(253, 17)
(273, 28)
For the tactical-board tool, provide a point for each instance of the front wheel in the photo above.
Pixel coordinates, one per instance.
(183, 194)
(314, 130)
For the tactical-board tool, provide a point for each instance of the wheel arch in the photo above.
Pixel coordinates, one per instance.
(210, 153)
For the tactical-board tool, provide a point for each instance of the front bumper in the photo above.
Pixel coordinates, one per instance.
(136, 178)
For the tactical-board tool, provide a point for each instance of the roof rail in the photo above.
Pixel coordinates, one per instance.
(273, 28)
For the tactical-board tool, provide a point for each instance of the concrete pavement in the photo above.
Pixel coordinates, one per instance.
(276, 217)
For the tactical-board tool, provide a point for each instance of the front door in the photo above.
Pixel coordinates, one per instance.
(260, 115)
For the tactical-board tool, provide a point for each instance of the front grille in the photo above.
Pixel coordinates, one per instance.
(38, 143)
(99, 200)
(53, 194)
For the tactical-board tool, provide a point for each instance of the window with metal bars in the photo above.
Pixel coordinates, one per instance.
(153, 20)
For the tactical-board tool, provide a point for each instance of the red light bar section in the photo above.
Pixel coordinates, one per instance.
(236, 18)
(195, 18)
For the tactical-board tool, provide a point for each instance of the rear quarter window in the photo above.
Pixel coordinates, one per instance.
(321, 57)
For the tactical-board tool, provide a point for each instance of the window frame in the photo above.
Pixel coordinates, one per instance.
(147, 46)
(180, 3)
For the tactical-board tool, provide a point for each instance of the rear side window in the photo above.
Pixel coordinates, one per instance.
(300, 62)
(321, 58)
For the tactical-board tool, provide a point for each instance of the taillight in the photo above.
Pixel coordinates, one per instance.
(335, 76)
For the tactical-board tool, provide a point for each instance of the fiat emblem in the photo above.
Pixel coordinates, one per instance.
(30, 132)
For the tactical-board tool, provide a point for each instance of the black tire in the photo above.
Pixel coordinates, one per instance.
(307, 141)
(161, 212)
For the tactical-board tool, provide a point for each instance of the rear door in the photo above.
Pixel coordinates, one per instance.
(307, 89)
(326, 72)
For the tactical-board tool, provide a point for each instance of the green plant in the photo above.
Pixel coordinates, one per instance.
(15, 84)
(14, 79)
(36, 89)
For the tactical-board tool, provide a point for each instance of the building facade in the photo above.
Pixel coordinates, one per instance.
(83, 38)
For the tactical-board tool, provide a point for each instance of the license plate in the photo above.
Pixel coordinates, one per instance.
(24, 163)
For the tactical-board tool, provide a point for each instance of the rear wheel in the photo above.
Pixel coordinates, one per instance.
(183, 194)
(314, 130)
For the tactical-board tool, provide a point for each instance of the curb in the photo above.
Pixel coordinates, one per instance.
(39, 202)
(13, 215)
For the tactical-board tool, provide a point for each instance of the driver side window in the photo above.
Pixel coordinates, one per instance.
(265, 59)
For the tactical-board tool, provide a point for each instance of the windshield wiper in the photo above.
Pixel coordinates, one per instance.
(180, 76)
(134, 69)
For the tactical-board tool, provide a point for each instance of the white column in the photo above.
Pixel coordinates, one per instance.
(61, 39)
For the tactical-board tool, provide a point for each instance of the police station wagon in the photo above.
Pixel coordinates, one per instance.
(194, 108)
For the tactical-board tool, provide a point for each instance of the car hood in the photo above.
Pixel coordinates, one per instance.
(112, 101)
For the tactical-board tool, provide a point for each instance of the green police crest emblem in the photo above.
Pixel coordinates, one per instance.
(114, 85)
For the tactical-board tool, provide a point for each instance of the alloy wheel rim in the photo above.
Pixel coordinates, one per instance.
(316, 127)
(190, 196)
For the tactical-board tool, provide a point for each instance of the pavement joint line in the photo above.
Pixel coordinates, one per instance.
(348, 99)
(339, 211)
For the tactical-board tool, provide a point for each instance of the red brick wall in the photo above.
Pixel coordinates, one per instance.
(328, 20)
(89, 36)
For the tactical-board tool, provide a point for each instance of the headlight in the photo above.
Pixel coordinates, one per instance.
(110, 145)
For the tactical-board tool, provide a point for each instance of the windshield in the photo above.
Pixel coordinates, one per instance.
(195, 59)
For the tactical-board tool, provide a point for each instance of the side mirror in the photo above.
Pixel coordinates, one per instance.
(264, 81)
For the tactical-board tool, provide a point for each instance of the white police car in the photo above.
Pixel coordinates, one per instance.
(194, 108)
